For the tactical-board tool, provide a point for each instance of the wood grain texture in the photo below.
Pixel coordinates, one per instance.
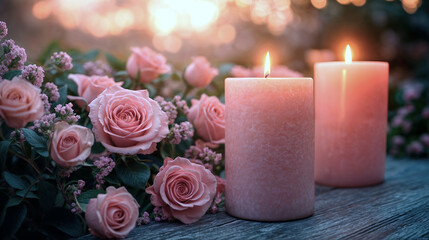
(395, 209)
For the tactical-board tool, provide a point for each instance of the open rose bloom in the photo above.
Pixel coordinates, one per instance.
(89, 87)
(199, 73)
(20, 102)
(112, 215)
(70, 144)
(127, 121)
(208, 117)
(147, 63)
(183, 189)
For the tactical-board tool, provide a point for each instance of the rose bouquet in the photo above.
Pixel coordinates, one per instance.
(103, 147)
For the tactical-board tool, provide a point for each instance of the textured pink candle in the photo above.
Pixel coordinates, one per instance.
(351, 121)
(269, 148)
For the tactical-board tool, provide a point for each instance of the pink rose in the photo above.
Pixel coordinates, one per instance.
(127, 121)
(199, 73)
(71, 144)
(207, 115)
(89, 87)
(112, 215)
(239, 71)
(149, 63)
(20, 102)
(183, 189)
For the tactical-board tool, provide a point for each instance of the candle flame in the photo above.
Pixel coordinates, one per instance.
(348, 55)
(267, 65)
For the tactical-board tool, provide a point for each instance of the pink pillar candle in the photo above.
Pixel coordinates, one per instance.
(269, 148)
(351, 122)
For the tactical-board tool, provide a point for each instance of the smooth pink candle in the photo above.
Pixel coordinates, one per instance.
(351, 122)
(269, 148)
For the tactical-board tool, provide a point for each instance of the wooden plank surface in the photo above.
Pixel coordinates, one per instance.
(395, 209)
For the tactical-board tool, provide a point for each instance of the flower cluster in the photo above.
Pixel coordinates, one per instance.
(3, 30)
(97, 68)
(76, 191)
(66, 113)
(105, 166)
(13, 57)
(173, 108)
(145, 219)
(51, 90)
(179, 132)
(204, 155)
(62, 61)
(45, 124)
(33, 74)
(159, 215)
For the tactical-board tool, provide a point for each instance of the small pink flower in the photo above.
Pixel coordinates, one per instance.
(425, 139)
(425, 113)
(183, 189)
(89, 87)
(415, 147)
(147, 63)
(127, 121)
(398, 140)
(20, 102)
(112, 215)
(199, 73)
(71, 144)
(207, 115)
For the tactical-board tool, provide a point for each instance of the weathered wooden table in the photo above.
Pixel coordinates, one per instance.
(396, 209)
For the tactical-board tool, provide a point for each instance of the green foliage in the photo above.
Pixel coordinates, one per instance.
(84, 198)
(65, 221)
(13, 219)
(133, 173)
(37, 141)
(11, 74)
(114, 62)
(4, 149)
(15, 181)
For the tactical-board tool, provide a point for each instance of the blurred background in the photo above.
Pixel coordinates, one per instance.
(297, 33)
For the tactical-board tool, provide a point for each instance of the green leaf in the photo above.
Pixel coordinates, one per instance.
(63, 96)
(21, 193)
(12, 222)
(51, 48)
(134, 174)
(85, 197)
(65, 81)
(47, 193)
(13, 201)
(59, 200)
(65, 221)
(38, 142)
(4, 148)
(115, 62)
(15, 181)
(11, 74)
(91, 55)
(97, 148)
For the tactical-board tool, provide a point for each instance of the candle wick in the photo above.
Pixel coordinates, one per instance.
(266, 75)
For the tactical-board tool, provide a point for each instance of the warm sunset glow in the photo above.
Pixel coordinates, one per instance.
(267, 65)
(348, 55)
